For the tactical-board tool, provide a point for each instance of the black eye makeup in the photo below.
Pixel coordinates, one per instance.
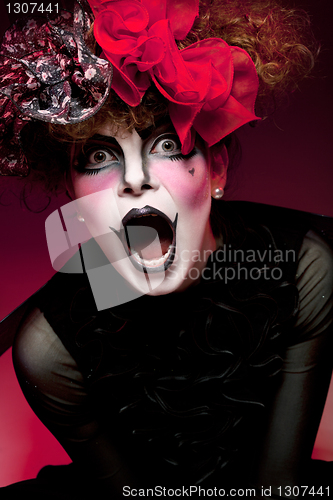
(96, 155)
(168, 146)
(101, 152)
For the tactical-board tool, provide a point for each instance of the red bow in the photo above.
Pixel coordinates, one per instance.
(211, 87)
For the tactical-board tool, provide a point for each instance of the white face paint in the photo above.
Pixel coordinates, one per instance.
(143, 188)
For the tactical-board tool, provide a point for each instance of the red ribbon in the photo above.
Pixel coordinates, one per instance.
(211, 87)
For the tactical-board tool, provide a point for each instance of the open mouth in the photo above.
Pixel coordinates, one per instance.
(149, 238)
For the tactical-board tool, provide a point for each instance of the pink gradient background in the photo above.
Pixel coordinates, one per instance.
(287, 161)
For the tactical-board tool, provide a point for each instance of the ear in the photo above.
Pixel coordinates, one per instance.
(219, 167)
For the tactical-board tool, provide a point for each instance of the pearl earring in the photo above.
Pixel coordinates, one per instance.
(217, 193)
(80, 218)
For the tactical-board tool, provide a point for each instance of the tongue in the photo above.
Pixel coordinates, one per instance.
(147, 242)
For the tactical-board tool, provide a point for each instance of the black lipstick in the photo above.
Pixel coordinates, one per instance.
(139, 228)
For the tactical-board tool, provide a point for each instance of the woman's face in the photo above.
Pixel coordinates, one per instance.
(147, 205)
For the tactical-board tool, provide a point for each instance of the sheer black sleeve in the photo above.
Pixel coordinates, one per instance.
(297, 406)
(55, 389)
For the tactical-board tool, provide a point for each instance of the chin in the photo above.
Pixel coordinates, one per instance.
(177, 278)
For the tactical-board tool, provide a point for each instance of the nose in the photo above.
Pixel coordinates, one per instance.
(136, 177)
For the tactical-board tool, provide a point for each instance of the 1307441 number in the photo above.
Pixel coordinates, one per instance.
(32, 7)
(301, 491)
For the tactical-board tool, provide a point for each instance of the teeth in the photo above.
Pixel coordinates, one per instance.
(147, 215)
(153, 262)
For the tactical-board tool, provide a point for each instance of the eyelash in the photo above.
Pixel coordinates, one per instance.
(91, 171)
(180, 156)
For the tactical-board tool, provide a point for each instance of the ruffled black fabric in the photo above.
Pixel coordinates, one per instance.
(189, 374)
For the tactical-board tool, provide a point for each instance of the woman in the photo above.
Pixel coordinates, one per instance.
(206, 377)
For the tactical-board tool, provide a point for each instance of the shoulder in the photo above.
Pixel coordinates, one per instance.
(51, 380)
(38, 353)
(315, 250)
(314, 280)
(315, 264)
(292, 224)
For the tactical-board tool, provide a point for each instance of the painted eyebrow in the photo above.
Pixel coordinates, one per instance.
(157, 129)
(145, 134)
(103, 138)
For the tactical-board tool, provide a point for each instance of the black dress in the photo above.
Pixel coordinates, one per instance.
(220, 386)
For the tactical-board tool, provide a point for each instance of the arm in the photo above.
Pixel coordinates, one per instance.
(296, 410)
(56, 391)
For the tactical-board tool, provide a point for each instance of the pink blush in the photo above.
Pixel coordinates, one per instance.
(89, 184)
